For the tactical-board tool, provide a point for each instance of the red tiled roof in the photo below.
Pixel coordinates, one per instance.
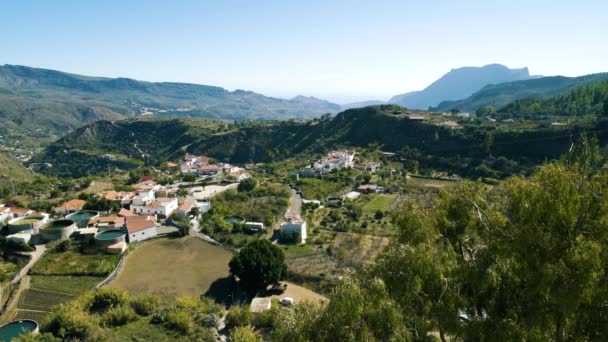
(125, 213)
(136, 226)
(71, 205)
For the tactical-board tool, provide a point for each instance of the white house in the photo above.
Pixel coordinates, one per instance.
(139, 229)
(163, 207)
(144, 197)
(295, 225)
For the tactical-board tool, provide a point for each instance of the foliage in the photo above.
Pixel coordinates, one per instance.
(118, 315)
(247, 185)
(245, 334)
(238, 316)
(587, 99)
(145, 305)
(258, 264)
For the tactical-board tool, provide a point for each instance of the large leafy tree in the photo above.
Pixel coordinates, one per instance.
(258, 264)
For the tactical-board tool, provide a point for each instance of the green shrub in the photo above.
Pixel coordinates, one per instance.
(145, 305)
(106, 298)
(238, 316)
(180, 321)
(119, 315)
(245, 334)
(69, 322)
(161, 315)
(34, 337)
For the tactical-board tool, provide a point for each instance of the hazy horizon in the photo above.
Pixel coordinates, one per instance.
(339, 51)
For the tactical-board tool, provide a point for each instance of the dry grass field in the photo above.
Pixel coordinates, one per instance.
(173, 267)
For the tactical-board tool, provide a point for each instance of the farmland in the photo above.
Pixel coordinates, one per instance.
(379, 202)
(173, 267)
(73, 262)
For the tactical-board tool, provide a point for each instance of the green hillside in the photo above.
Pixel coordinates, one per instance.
(11, 169)
(584, 100)
(499, 95)
(473, 150)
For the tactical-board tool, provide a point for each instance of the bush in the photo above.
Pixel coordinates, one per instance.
(238, 316)
(245, 334)
(180, 321)
(106, 298)
(120, 315)
(69, 322)
(145, 305)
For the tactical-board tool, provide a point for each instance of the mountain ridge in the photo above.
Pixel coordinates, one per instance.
(459, 83)
(125, 97)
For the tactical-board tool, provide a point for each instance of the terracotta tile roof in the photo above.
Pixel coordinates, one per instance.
(71, 205)
(140, 218)
(136, 226)
(109, 195)
(126, 213)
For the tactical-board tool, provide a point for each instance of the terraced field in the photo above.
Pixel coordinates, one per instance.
(45, 292)
(40, 300)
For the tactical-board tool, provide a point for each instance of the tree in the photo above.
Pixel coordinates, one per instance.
(189, 178)
(605, 107)
(367, 178)
(454, 110)
(247, 185)
(485, 110)
(258, 264)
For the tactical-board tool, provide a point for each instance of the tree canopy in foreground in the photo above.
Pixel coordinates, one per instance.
(258, 264)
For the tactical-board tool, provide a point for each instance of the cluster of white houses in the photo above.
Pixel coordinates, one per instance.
(203, 166)
(111, 231)
(334, 160)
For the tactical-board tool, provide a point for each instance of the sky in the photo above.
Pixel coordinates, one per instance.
(343, 51)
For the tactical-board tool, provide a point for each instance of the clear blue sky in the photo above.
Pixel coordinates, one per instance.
(339, 50)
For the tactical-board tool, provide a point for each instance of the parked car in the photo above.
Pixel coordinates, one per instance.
(286, 301)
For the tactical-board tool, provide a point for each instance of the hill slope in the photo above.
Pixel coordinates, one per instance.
(499, 95)
(39, 98)
(459, 83)
(458, 150)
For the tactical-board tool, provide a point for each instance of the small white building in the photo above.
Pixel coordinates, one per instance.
(163, 207)
(296, 225)
(139, 229)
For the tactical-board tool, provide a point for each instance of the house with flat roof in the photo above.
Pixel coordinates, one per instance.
(162, 207)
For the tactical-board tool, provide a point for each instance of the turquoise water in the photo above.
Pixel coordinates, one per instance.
(14, 329)
(81, 216)
(109, 235)
(233, 220)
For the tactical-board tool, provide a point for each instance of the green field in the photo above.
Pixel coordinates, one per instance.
(173, 267)
(379, 202)
(73, 285)
(75, 263)
(46, 292)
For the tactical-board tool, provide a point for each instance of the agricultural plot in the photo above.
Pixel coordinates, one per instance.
(40, 300)
(356, 249)
(173, 267)
(75, 263)
(379, 202)
(46, 292)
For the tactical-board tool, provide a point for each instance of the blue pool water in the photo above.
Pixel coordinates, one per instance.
(14, 329)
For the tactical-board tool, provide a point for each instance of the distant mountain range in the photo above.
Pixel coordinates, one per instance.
(459, 84)
(39, 98)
